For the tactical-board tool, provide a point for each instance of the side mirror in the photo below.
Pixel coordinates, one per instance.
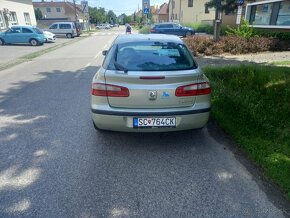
(105, 52)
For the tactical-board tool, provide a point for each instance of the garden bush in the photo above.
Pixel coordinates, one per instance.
(144, 30)
(203, 45)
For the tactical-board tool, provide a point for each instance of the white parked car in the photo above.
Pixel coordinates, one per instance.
(103, 26)
(49, 37)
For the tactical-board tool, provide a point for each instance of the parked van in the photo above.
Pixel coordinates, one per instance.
(67, 29)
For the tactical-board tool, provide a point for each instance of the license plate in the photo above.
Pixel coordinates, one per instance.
(150, 122)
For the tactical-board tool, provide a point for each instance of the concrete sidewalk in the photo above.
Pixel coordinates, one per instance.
(258, 58)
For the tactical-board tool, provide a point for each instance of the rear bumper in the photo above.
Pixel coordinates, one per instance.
(123, 120)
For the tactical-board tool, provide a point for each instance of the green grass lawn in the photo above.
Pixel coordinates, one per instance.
(281, 63)
(252, 104)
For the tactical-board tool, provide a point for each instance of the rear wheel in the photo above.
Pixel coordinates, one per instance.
(33, 42)
(2, 42)
(69, 35)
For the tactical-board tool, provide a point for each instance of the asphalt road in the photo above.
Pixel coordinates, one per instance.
(54, 164)
(9, 53)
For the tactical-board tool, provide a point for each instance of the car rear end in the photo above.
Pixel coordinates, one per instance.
(39, 36)
(162, 90)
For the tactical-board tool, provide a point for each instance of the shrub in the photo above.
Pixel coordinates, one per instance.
(267, 33)
(145, 30)
(203, 45)
(201, 27)
(198, 44)
(244, 30)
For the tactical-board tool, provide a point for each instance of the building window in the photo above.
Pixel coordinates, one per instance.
(284, 14)
(2, 24)
(206, 10)
(48, 10)
(27, 19)
(263, 14)
(58, 10)
(190, 3)
(13, 18)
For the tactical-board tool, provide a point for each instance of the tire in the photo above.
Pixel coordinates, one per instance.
(2, 42)
(187, 34)
(69, 35)
(33, 42)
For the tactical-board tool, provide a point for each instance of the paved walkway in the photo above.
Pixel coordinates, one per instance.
(259, 58)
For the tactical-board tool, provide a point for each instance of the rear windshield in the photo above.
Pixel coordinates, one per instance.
(38, 31)
(151, 56)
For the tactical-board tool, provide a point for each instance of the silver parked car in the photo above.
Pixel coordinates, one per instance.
(149, 83)
(67, 29)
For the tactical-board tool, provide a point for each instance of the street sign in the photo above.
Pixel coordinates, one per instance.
(146, 6)
(241, 2)
(146, 11)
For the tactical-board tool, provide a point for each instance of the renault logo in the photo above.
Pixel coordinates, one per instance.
(152, 95)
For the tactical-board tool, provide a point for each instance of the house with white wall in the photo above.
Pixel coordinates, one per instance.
(16, 12)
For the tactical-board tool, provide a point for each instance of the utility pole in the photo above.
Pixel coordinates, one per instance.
(75, 7)
(217, 22)
(180, 12)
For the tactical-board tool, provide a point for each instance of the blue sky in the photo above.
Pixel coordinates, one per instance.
(121, 6)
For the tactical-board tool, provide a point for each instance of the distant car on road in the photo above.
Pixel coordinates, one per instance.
(67, 29)
(103, 26)
(22, 34)
(149, 83)
(172, 29)
(49, 37)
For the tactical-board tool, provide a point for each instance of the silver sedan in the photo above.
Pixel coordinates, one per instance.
(149, 83)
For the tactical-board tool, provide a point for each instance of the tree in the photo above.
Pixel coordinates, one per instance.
(111, 17)
(97, 15)
(226, 6)
(127, 19)
(38, 14)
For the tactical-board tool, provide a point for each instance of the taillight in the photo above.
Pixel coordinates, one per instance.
(193, 89)
(101, 89)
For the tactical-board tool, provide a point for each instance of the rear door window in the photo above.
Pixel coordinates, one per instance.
(38, 31)
(64, 26)
(166, 26)
(26, 30)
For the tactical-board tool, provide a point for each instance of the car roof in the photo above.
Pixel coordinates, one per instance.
(147, 37)
(165, 23)
(66, 22)
(20, 26)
